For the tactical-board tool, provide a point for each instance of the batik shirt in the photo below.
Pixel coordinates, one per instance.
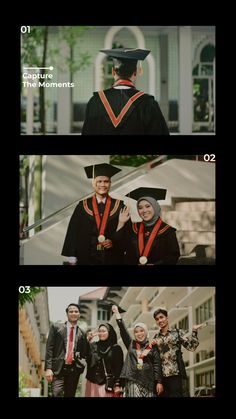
(169, 343)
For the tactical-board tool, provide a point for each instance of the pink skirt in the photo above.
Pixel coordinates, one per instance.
(96, 390)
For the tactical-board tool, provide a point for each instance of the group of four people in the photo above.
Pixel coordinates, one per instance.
(151, 367)
(100, 231)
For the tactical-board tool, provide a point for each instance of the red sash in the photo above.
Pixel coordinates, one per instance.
(144, 251)
(101, 225)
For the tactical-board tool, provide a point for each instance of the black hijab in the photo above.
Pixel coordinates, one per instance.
(105, 345)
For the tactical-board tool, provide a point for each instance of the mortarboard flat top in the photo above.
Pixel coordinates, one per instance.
(127, 53)
(155, 193)
(109, 304)
(102, 169)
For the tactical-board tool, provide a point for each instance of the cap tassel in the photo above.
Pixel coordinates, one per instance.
(140, 69)
(93, 178)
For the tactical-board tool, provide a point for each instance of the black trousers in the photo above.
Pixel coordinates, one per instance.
(65, 384)
(172, 386)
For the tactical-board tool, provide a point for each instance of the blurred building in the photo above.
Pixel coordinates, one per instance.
(94, 308)
(186, 306)
(33, 330)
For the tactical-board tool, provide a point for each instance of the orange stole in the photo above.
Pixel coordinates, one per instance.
(117, 120)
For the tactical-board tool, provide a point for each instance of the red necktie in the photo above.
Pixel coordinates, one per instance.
(69, 357)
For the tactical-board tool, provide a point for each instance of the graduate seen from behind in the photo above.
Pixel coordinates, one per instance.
(169, 342)
(152, 241)
(142, 366)
(89, 237)
(122, 109)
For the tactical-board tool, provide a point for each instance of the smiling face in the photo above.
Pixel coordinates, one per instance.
(145, 210)
(139, 334)
(161, 321)
(73, 314)
(102, 185)
(103, 333)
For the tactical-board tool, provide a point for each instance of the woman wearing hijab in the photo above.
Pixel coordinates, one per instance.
(151, 241)
(105, 358)
(142, 366)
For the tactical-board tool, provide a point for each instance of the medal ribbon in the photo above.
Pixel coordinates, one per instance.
(101, 226)
(145, 251)
(141, 354)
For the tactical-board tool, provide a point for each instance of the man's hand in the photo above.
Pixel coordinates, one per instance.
(199, 326)
(107, 244)
(159, 389)
(49, 375)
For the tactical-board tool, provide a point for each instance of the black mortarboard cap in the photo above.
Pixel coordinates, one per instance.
(110, 303)
(155, 193)
(127, 53)
(102, 169)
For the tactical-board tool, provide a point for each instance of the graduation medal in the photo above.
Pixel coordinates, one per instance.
(140, 364)
(101, 238)
(143, 260)
(144, 250)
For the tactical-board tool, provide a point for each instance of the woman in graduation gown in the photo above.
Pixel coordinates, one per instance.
(151, 241)
(89, 237)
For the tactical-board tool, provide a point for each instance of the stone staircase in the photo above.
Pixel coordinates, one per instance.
(195, 225)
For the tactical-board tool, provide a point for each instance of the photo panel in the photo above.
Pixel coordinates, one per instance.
(117, 210)
(165, 75)
(151, 339)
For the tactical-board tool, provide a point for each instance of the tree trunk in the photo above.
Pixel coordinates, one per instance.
(42, 89)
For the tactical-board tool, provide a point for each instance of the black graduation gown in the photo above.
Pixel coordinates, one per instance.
(164, 250)
(82, 234)
(144, 116)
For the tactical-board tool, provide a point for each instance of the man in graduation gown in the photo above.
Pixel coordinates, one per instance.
(89, 238)
(122, 109)
(151, 241)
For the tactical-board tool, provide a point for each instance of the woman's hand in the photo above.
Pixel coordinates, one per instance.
(91, 335)
(124, 215)
(114, 309)
(117, 391)
(49, 375)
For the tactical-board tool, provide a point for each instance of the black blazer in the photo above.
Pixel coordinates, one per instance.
(56, 346)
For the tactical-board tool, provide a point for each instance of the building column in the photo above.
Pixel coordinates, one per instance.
(31, 193)
(64, 97)
(30, 110)
(164, 99)
(144, 305)
(191, 354)
(94, 314)
(185, 81)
